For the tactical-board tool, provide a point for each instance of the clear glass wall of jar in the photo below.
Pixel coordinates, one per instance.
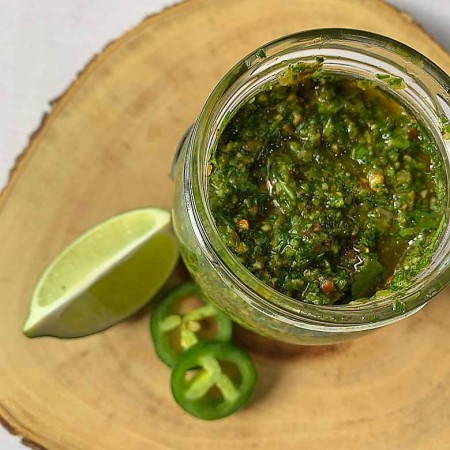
(223, 279)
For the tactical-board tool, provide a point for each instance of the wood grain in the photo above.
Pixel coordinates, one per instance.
(106, 147)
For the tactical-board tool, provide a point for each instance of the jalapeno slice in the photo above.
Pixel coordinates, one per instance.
(212, 380)
(182, 319)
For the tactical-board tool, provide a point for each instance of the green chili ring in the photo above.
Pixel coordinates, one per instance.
(166, 322)
(195, 393)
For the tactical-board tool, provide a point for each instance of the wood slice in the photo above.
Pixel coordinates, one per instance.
(107, 147)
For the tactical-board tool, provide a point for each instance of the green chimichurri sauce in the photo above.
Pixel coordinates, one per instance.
(326, 189)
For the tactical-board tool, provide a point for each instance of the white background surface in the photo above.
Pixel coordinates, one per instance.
(44, 43)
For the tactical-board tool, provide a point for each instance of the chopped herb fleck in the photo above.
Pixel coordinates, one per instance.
(445, 127)
(393, 81)
(399, 306)
(261, 53)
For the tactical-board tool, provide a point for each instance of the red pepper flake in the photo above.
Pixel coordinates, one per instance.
(364, 183)
(389, 279)
(412, 133)
(327, 286)
(244, 224)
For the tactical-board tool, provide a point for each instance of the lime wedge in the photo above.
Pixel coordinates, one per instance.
(104, 276)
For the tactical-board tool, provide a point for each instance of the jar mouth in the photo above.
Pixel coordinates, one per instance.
(355, 53)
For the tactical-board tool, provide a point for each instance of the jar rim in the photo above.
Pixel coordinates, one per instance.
(378, 311)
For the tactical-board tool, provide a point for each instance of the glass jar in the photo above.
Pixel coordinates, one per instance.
(225, 281)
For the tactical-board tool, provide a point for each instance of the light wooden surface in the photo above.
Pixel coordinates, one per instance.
(106, 148)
